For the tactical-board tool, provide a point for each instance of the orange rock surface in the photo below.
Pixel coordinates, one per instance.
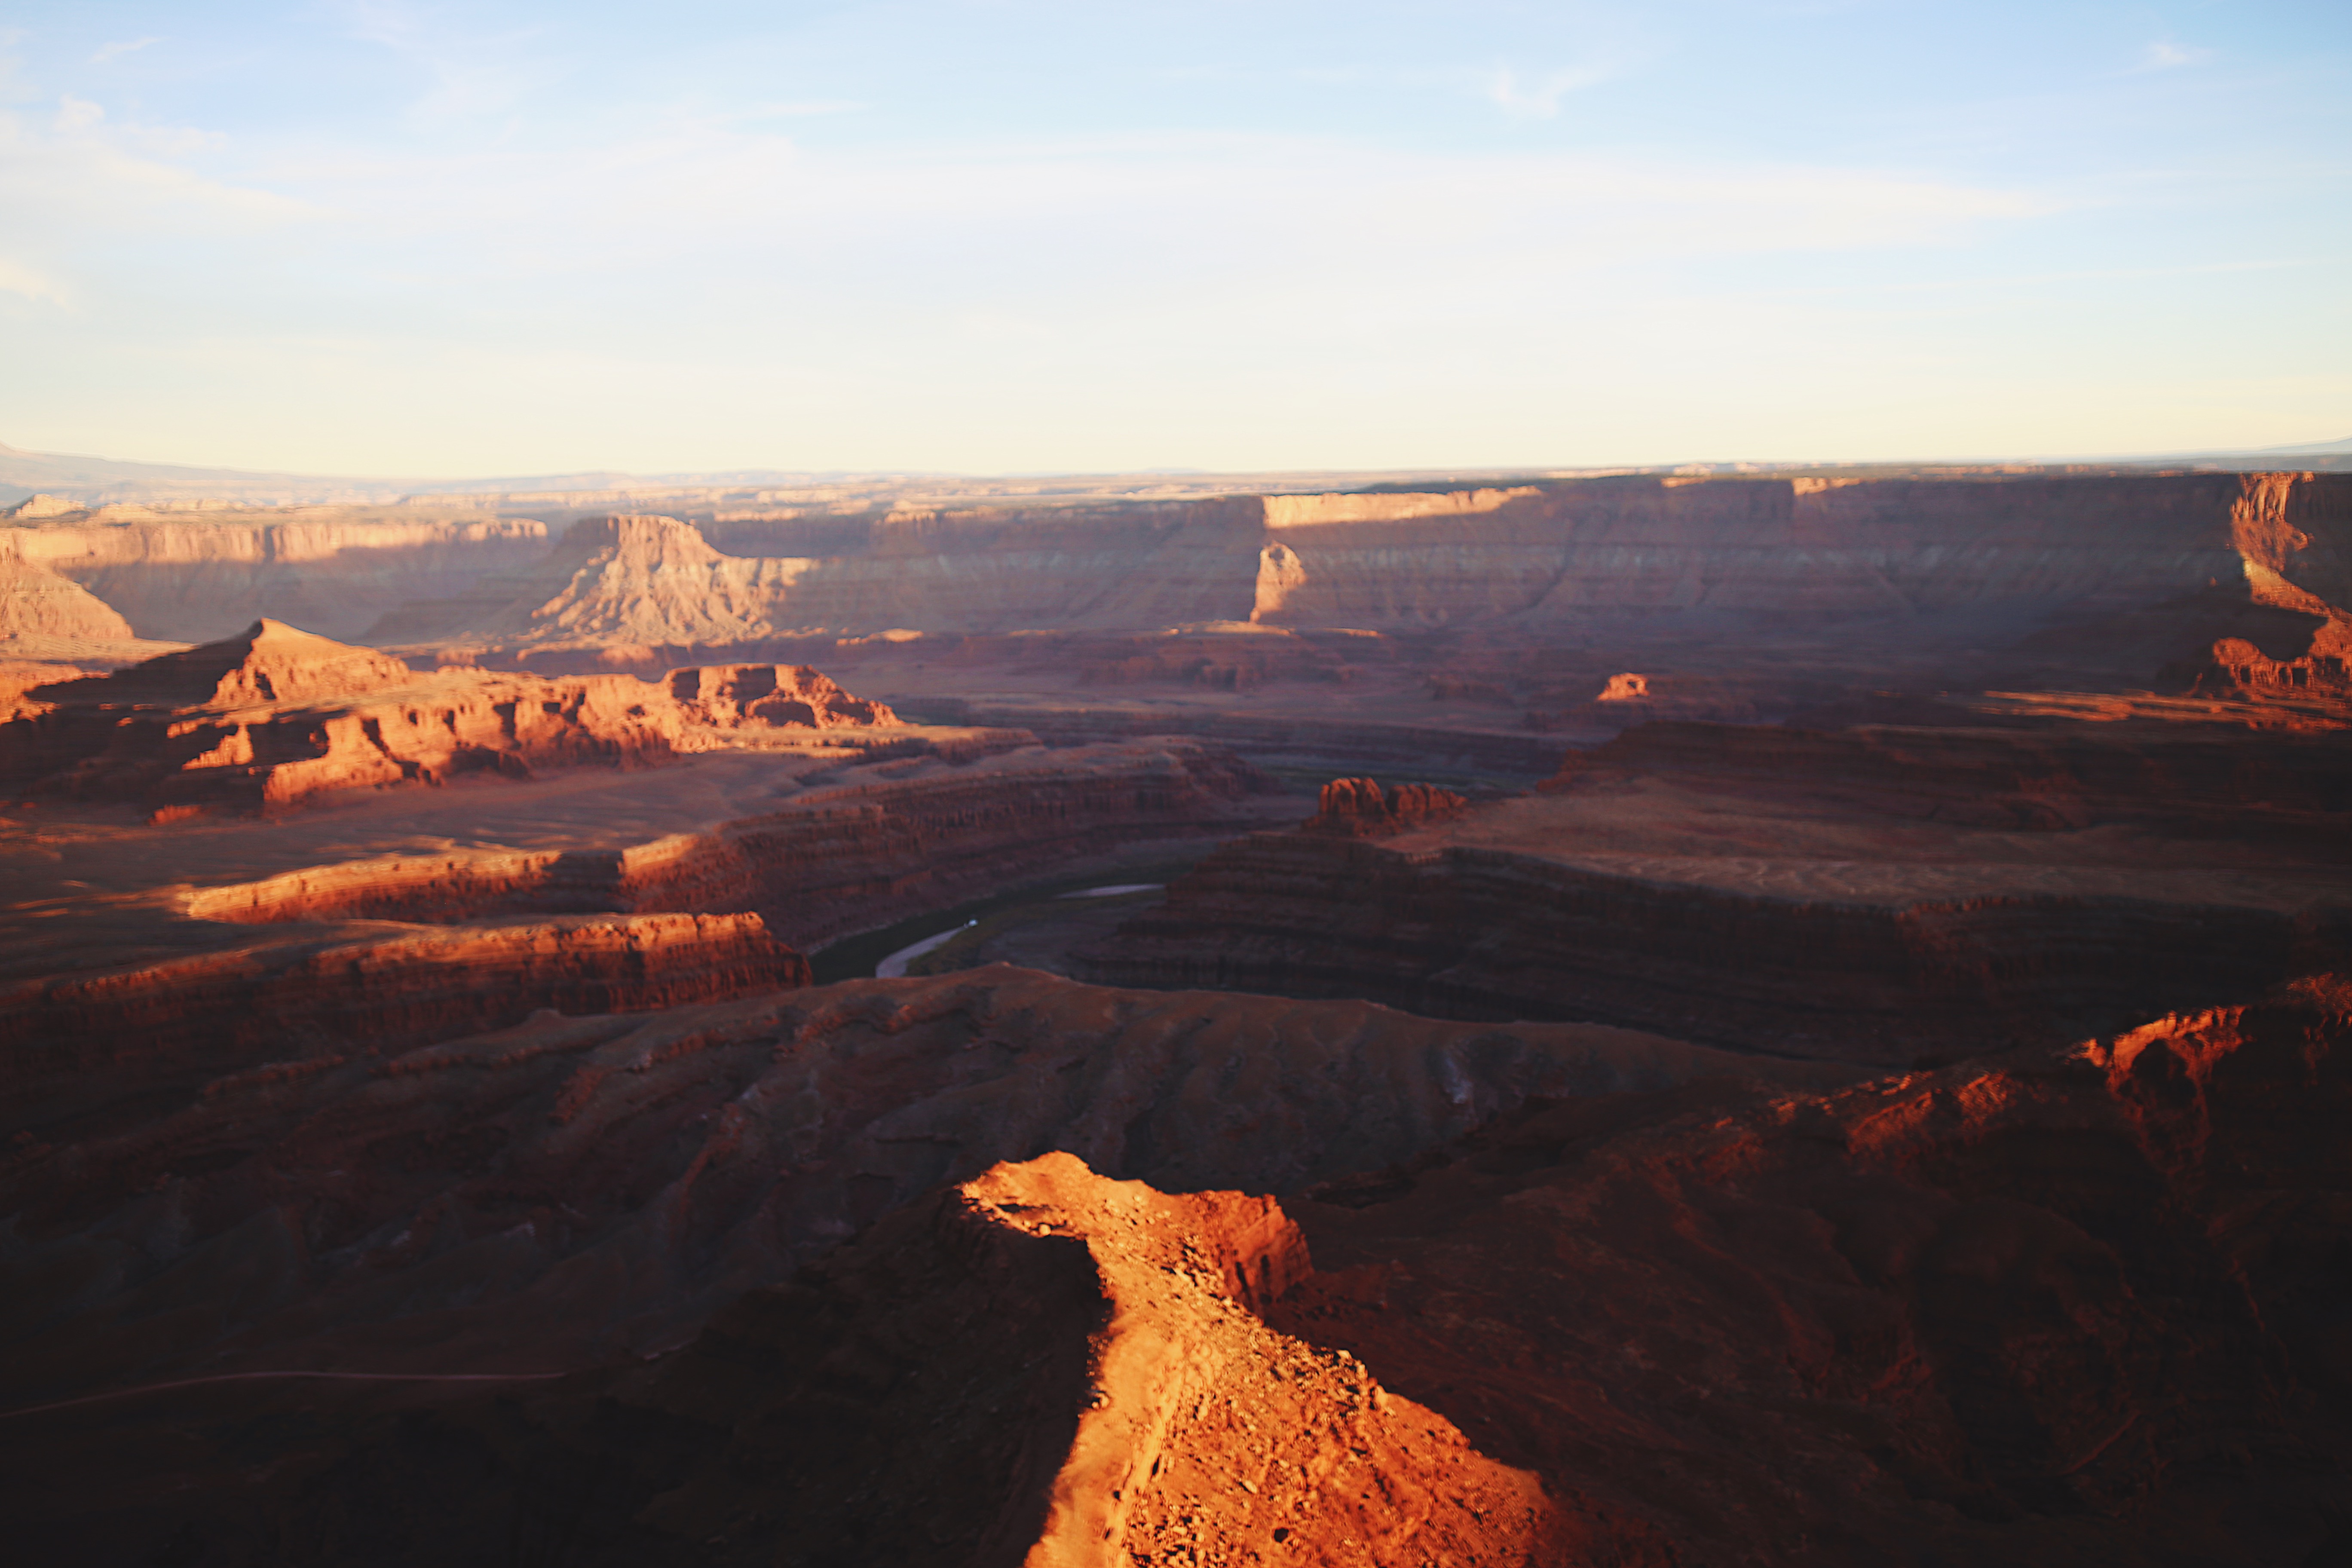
(270, 719)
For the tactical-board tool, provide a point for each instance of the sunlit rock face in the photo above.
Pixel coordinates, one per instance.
(270, 719)
(1906, 1132)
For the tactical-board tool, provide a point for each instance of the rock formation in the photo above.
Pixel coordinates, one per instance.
(1357, 808)
(1935, 558)
(1878, 895)
(840, 858)
(305, 1002)
(269, 719)
(2058, 1308)
(2067, 1306)
(36, 603)
(195, 576)
(647, 1169)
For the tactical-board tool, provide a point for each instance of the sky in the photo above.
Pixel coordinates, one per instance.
(367, 237)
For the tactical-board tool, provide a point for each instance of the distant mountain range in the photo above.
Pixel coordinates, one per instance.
(97, 480)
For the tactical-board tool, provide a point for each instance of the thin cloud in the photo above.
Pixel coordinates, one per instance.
(2165, 54)
(28, 283)
(110, 52)
(1538, 98)
(797, 110)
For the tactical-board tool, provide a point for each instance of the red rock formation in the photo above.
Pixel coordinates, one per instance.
(2060, 1308)
(68, 1042)
(272, 718)
(1874, 895)
(37, 602)
(574, 1187)
(197, 575)
(1357, 808)
(2063, 1307)
(734, 696)
(837, 860)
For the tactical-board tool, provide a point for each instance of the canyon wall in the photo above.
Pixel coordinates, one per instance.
(2063, 1307)
(1477, 933)
(841, 860)
(549, 1194)
(190, 577)
(1937, 557)
(1875, 894)
(72, 1047)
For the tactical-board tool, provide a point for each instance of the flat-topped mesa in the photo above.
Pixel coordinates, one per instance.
(277, 715)
(1357, 808)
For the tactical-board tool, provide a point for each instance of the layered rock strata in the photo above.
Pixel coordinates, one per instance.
(1877, 896)
(2062, 1307)
(2058, 1308)
(277, 716)
(537, 1199)
(193, 576)
(840, 860)
(1934, 556)
(307, 1003)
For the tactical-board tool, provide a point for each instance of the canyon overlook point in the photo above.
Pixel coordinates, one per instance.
(1660, 1019)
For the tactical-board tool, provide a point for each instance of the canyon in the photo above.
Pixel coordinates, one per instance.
(1659, 1019)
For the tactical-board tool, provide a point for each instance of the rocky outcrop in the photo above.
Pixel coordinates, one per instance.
(309, 1004)
(1357, 808)
(1877, 895)
(36, 602)
(2059, 1308)
(839, 859)
(551, 1194)
(269, 719)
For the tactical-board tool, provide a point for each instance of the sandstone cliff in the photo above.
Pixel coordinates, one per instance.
(840, 858)
(37, 602)
(193, 576)
(647, 1169)
(1875, 894)
(2064, 1307)
(301, 1004)
(1931, 559)
(269, 719)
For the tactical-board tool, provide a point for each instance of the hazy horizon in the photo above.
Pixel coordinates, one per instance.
(1038, 238)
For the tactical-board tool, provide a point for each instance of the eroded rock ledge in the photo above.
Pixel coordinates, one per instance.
(277, 716)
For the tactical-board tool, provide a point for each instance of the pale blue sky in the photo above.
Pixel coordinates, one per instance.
(1016, 235)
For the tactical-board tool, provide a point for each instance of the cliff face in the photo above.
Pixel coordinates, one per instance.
(1933, 558)
(1875, 895)
(69, 1043)
(276, 716)
(839, 860)
(2057, 1307)
(192, 577)
(645, 1170)
(34, 602)
(2062, 1307)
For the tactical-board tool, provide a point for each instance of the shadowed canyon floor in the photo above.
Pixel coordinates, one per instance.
(1645, 1020)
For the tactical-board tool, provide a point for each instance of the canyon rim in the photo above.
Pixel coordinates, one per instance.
(1666, 1018)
